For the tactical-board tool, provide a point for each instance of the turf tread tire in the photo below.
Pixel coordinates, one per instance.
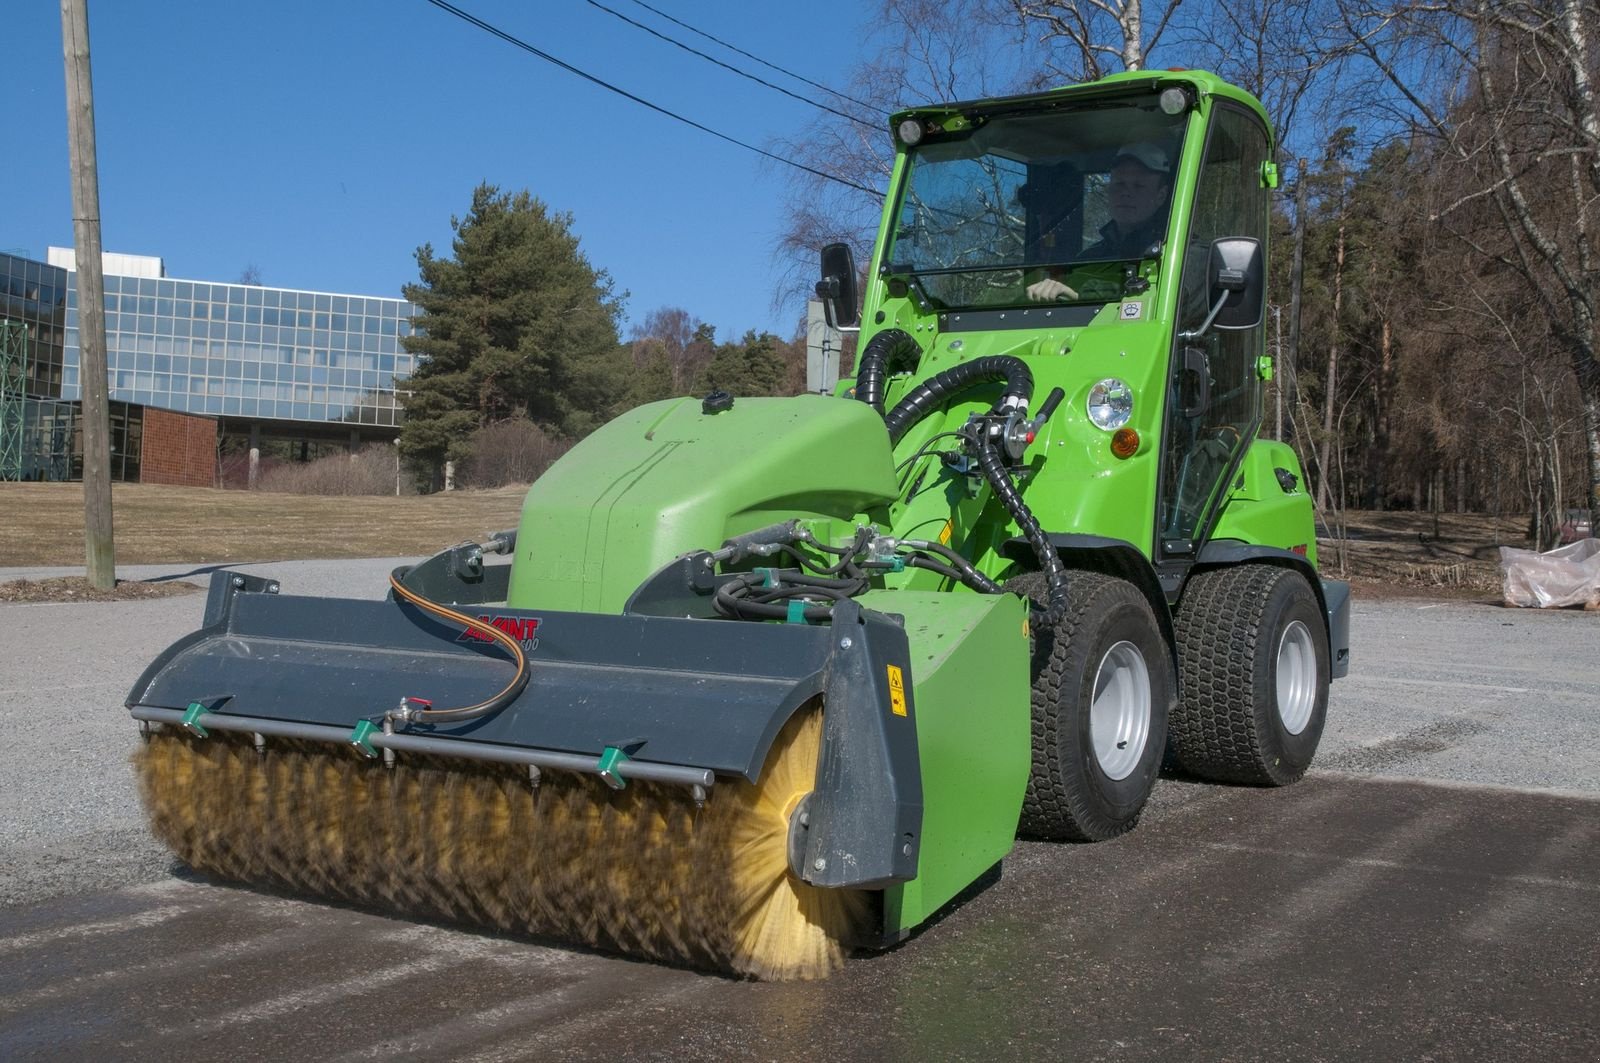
(1226, 727)
(1068, 798)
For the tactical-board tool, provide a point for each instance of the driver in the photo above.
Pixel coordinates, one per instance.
(1140, 183)
(1137, 192)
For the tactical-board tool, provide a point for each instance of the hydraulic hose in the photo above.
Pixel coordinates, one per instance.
(483, 708)
(932, 393)
(872, 368)
(994, 470)
(963, 570)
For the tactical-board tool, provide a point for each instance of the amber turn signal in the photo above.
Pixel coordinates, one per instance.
(1125, 443)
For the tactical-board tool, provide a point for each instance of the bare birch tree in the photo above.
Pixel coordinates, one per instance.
(1519, 112)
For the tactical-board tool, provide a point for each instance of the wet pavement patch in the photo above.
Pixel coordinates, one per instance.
(1341, 918)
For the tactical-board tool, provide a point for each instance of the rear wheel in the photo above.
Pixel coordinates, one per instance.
(1102, 688)
(1253, 649)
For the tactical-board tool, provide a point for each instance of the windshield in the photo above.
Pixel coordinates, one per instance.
(1024, 197)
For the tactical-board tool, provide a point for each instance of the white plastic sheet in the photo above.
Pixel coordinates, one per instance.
(1567, 575)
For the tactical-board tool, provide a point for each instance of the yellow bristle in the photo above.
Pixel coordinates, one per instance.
(639, 871)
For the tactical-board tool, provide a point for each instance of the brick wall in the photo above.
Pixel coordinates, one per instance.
(178, 448)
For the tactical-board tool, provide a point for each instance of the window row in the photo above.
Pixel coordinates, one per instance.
(120, 332)
(249, 354)
(362, 378)
(250, 295)
(171, 390)
(182, 310)
(178, 382)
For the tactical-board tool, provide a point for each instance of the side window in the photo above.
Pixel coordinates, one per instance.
(1216, 391)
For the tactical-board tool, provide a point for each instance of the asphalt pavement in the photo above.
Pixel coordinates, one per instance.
(1430, 891)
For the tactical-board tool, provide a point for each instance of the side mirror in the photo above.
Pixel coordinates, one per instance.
(837, 288)
(1238, 282)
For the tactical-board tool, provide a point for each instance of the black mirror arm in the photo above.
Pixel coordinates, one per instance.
(828, 292)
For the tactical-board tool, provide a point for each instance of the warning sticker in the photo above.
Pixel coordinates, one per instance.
(1132, 311)
(897, 691)
(944, 533)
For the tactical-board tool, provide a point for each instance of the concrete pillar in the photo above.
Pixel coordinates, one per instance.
(255, 455)
(355, 442)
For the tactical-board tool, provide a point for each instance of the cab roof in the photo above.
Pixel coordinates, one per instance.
(1203, 83)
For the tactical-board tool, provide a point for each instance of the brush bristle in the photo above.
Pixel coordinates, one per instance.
(638, 871)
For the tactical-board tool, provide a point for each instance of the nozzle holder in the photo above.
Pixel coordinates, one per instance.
(361, 738)
(191, 720)
(611, 761)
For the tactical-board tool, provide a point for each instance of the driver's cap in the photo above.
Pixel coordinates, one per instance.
(1148, 155)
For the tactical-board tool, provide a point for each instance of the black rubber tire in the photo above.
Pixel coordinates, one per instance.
(1069, 796)
(1230, 622)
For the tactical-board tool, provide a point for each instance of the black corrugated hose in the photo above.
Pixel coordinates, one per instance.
(932, 393)
(872, 368)
(994, 470)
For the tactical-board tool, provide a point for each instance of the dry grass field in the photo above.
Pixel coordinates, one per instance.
(1385, 554)
(42, 524)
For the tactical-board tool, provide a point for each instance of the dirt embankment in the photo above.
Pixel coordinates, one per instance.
(1402, 554)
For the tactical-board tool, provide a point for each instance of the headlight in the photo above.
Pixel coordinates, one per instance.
(1110, 404)
(910, 132)
(1174, 101)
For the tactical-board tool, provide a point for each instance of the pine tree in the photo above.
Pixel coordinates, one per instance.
(754, 365)
(516, 323)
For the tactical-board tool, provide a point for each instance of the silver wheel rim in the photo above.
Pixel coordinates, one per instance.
(1119, 715)
(1297, 677)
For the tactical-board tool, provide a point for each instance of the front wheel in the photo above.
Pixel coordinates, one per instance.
(1103, 686)
(1253, 647)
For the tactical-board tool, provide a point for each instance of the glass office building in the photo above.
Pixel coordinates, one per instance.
(273, 362)
(238, 350)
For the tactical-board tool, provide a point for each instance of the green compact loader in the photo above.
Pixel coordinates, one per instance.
(768, 679)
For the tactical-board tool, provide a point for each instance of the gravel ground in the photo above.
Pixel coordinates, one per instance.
(72, 822)
(1454, 693)
(1430, 892)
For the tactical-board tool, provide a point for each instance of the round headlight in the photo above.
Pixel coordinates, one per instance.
(1110, 404)
(1174, 101)
(910, 132)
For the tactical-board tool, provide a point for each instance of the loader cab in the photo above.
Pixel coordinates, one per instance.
(1085, 223)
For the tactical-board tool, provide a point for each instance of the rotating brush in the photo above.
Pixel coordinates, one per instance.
(640, 871)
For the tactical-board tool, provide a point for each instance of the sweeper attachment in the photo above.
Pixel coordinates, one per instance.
(765, 680)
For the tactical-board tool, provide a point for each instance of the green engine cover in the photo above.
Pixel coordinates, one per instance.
(668, 478)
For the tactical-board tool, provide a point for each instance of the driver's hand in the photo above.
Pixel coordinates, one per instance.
(1048, 289)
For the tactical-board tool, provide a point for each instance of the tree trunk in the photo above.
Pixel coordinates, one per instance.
(1132, 24)
(1331, 385)
(1379, 447)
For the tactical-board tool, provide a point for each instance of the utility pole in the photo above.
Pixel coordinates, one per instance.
(99, 545)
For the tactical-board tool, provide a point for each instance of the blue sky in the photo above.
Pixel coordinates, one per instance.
(323, 142)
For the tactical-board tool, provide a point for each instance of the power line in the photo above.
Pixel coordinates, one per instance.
(757, 58)
(728, 66)
(569, 68)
